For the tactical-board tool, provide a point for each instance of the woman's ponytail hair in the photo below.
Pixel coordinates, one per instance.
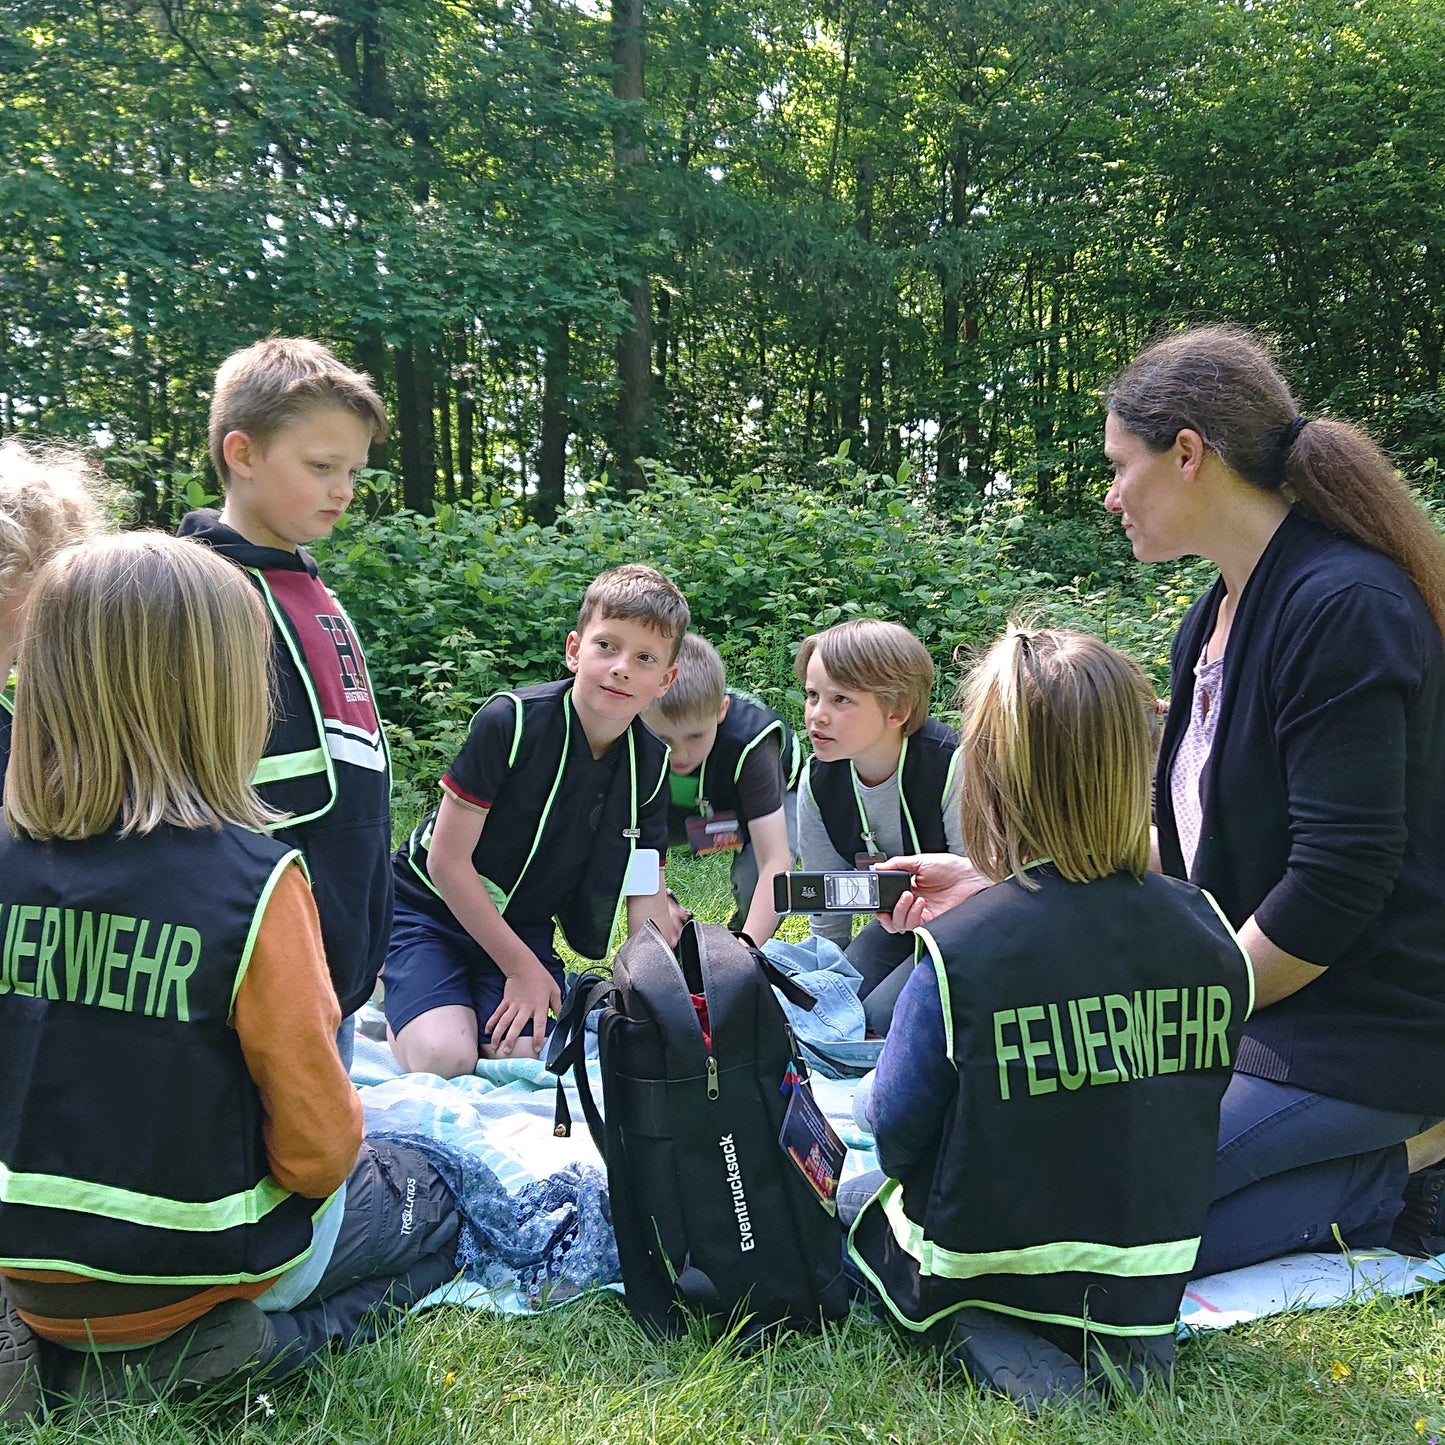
(1221, 382)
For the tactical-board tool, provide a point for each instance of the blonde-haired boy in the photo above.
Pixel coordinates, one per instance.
(883, 778)
(735, 767)
(556, 792)
(290, 428)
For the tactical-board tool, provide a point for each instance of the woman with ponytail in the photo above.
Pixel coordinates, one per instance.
(1301, 780)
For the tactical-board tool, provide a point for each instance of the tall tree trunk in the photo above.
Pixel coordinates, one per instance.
(634, 347)
(556, 427)
(369, 351)
(466, 414)
(663, 337)
(414, 402)
(444, 418)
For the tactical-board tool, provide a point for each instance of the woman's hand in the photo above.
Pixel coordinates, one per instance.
(939, 881)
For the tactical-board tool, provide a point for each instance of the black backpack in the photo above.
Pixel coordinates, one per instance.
(711, 1215)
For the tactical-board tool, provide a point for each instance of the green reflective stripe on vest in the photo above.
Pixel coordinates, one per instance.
(7, 695)
(1066, 1256)
(632, 831)
(294, 856)
(924, 940)
(953, 763)
(280, 766)
(1045, 1317)
(70, 1266)
(516, 726)
(421, 837)
(319, 757)
(865, 828)
(913, 845)
(1244, 952)
(631, 824)
(54, 1191)
(776, 726)
(551, 794)
(792, 761)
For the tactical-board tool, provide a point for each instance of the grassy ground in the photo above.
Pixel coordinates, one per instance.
(1371, 1373)
(1374, 1372)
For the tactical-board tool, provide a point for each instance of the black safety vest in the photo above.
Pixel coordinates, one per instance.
(297, 774)
(1093, 1027)
(925, 767)
(535, 789)
(749, 724)
(130, 1137)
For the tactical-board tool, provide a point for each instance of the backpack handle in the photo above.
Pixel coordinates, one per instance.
(567, 1050)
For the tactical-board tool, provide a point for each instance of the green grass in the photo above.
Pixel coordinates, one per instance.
(586, 1373)
(1362, 1375)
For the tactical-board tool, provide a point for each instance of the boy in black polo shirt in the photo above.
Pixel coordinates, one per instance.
(556, 805)
(735, 767)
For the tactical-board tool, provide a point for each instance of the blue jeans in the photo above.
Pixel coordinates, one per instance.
(346, 1042)
(1294, 1166)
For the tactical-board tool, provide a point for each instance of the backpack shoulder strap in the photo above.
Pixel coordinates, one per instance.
(567, 1050)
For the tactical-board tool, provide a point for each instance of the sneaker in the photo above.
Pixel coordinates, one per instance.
(1013, 1361)
(234, 1339)
(19, 1365)
(1420, 1225)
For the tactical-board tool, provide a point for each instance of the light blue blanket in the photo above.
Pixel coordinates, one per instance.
(542, 1234)
(538, 1217)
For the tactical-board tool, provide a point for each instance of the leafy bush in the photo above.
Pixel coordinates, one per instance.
(457, 605)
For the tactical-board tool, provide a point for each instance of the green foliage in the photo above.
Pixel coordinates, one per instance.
(456, 605)
(926, 232)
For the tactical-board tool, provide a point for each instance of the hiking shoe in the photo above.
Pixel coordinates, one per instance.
(234, 1339)
(19, 1365)
(1117, 1367)
(1013, 1361)
(1420, 1225)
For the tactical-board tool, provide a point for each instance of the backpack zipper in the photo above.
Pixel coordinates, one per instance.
(712, 1089)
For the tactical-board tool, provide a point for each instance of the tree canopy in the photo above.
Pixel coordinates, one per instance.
(733, 237)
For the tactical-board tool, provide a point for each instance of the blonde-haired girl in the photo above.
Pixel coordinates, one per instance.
(50, 497)
(187, 1192)
(1047, 1103)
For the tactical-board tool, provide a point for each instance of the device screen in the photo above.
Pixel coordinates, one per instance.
(851, 890)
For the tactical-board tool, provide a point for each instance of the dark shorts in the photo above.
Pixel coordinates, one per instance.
(431, 963)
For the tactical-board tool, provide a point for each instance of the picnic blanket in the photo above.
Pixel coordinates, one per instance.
(539, 1232)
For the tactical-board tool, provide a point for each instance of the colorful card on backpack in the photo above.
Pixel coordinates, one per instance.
(721, 833)
(813, 1146)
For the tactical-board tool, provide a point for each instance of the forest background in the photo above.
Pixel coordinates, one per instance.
(808, 302)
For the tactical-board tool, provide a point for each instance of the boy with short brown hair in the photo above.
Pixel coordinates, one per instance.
(735, 766)
(290, 428)
(557, 795)
(883, 780)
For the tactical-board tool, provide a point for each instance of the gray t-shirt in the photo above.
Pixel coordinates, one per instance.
(884, 813)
